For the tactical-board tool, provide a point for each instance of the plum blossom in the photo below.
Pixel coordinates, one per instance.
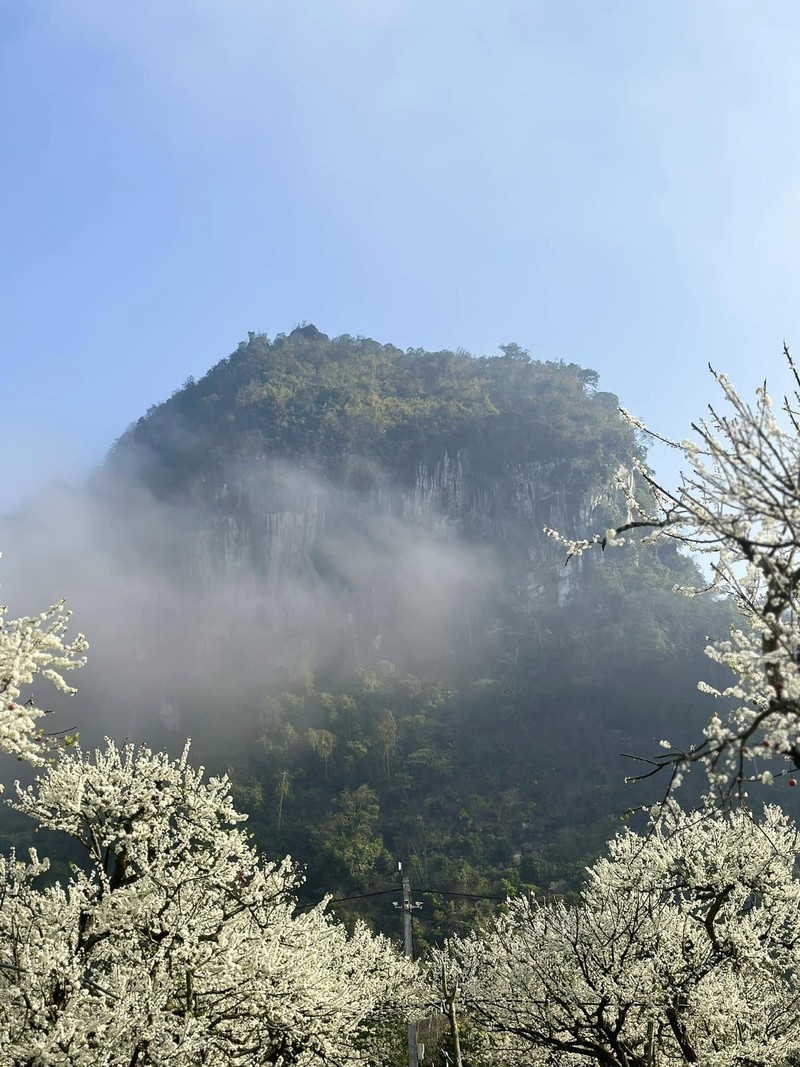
(31, 647)
(680, 950)
(175, 943)
(738, 503)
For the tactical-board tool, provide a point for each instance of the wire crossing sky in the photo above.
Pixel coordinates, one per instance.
(612, 184)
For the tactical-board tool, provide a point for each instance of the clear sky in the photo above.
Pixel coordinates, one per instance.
(615, 184)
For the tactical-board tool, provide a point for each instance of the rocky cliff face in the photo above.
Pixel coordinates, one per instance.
(275, 519)
(290, 443)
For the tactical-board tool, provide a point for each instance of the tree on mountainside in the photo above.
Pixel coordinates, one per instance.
(332, 399)
(681, 950)
(739, 503)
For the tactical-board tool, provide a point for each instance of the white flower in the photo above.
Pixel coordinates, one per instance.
(178, 944)
(738, 500)
(30, 647)
(691, 927)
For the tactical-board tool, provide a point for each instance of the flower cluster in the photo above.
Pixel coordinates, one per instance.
(32, 647)
(680, 950)
(176, 944)
(738, 502)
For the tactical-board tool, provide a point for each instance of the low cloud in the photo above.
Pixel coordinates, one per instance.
(194, 610)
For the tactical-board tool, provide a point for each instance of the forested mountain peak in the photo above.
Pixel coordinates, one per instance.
(307, 395)
(325, 561)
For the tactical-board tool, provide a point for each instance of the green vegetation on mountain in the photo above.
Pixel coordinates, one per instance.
(411, 673)
(491, 784)
(332, 401)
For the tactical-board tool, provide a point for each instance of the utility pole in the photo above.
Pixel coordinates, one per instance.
(408, 905)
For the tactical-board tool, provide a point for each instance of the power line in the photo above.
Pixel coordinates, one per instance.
(341, 900)
(363, 896)
(469, 896)
(384, 892)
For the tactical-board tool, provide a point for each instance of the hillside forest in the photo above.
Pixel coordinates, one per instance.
(325, 562)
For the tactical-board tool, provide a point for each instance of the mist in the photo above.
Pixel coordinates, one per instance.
(194, 609)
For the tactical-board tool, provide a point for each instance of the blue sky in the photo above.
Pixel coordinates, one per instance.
(616, 184)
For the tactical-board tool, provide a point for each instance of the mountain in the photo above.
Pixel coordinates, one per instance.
(325, 561)
(495, 447)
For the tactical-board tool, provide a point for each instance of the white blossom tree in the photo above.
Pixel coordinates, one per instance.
(738, 501)
(31, 647)
(176, 945)
(681, 950)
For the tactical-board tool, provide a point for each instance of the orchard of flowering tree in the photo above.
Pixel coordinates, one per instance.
(176, 943)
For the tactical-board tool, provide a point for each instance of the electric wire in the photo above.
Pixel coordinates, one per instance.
(395, 889)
